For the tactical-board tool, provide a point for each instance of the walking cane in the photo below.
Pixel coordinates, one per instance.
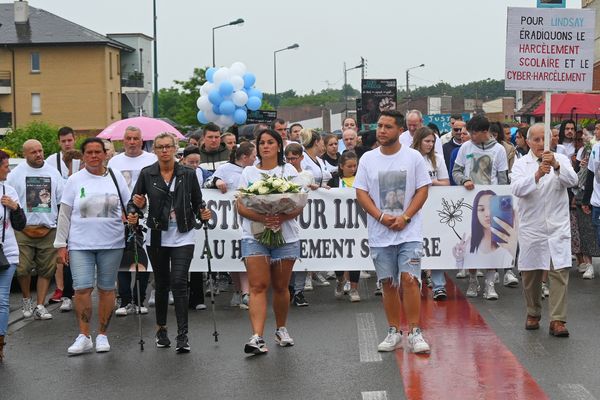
(210, 281)
(137, 282)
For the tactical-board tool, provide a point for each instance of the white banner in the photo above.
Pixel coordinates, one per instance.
(550, 49)
(334, 233)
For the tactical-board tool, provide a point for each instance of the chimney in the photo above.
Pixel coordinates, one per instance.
(21, 12)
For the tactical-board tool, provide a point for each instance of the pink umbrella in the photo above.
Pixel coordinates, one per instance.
(150, 128)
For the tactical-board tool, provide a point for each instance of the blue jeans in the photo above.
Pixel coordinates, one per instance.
(85, 263)
(438, 277)
(391, 261)
(5, 281)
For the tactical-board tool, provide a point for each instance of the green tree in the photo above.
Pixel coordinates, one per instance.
(42, 131)
(179, 103)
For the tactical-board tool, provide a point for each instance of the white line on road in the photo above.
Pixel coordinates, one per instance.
(574, 391)
(367, 337)
(380, 395)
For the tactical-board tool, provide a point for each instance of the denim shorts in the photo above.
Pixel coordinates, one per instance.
(86, 264)
(252, 247)
(391, 261)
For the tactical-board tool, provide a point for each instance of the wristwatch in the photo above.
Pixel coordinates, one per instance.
(406, 218)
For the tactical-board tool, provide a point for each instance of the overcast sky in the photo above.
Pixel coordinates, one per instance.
(458, 41)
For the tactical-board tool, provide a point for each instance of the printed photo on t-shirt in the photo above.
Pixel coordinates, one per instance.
(481, 172)
(99, 205)
(392, 189)
(38, 191)
(128, 175)
(597, 173)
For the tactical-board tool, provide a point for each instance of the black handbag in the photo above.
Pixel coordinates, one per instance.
(131, 240)
(4, 264)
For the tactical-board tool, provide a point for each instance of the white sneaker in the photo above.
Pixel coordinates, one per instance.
(171, 299)
(127, 310)
(473, 288)
(378, 289)
(582, 267)
(510, 279)
(40, 312)
(27, 308)
(347, 287)
(320, 279)
(339, 289)
(545, 290)
(489, 293)
(143, 310)
(461, 274)
(283, 338)
(152, 299)
(102, 345)
(245, 303)
(365, 275)
(392, 341)
(200, 307)
(416, 342)
(83, 344)
(308, 286)
(354, 296)
(236, 299)
(330, 275)
(479, 273)
(66, 305)
(497, 278)
(589, 272)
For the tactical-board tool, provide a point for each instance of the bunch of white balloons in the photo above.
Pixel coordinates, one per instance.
(227, 95)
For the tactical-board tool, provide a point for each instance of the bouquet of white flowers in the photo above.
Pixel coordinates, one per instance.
(272, 195)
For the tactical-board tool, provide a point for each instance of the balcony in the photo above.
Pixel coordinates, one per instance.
(5, 82)
(135, 79)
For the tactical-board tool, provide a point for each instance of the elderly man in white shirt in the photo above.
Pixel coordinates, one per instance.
(540, 180)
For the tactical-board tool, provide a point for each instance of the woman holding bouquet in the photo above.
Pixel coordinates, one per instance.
(268, 266)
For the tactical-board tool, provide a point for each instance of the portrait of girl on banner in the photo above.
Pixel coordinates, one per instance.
(493, 239)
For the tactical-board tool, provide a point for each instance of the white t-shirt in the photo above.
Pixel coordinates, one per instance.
(498, 258)
(39, 190)
(64, 170)
(406, 139)
(172, 237)
(569, 148)
(230, 174)
(11, 249)
(96, 217)
(290, 229)
(482, 165)
(391, 181)
(594, 166)
(440, 171)
(130, 167)
(318, 169)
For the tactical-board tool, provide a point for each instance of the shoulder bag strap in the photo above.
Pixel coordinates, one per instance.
(58, 163)
(114, 179)
(3, 219)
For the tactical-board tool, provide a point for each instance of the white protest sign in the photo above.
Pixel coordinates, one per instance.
(550, 49)
(334, 233)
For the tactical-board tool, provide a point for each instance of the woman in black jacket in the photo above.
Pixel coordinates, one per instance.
(175, 200)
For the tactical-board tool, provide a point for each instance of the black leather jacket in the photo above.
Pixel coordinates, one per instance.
(187, 197)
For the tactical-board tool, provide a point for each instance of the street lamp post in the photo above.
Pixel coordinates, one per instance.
(155, 97)
(292, 47)
(407, 77)
(238, 21)
(361, 65)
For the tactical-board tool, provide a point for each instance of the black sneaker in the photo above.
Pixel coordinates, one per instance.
(299, 300)
(182, 344)
(162, 340)
(440, 294)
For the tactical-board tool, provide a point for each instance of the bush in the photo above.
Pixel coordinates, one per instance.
(42, 131)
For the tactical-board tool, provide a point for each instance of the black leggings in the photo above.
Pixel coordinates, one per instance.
(354, 275)
(171, 266)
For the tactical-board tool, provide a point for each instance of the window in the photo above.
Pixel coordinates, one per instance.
(110, 71)
(36, 103)
(112, 106)
(35, 62)
(118, 65)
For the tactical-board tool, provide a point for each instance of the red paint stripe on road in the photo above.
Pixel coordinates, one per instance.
(467, 360)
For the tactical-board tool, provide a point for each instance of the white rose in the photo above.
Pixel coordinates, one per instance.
(284, 188)
(263, 190)
(277, 183)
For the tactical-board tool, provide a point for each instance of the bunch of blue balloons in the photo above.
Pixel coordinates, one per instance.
(227, 95)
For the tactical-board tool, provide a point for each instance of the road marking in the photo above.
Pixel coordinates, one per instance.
(380, 395)
(574, 391)
(367, 337)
